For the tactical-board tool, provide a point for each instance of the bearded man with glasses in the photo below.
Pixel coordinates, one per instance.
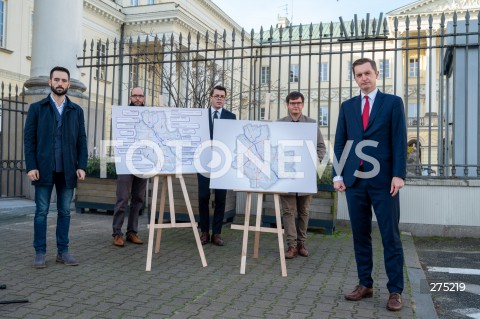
(129, 187)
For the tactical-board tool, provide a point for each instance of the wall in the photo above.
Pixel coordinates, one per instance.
(435, 207)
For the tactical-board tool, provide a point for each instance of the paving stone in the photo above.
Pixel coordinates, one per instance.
(111, 282)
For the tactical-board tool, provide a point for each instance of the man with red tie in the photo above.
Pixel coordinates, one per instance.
(372, 175)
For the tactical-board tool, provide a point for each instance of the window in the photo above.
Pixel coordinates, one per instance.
(3, 16)
(384, 68)
(412, 110)
(323, 116)
(134, 2)
(323, 71)
(413, 68)
(349, 70)
(101, 61)
(151, 1)
(265, 75)
(134, 73)
(294, 73)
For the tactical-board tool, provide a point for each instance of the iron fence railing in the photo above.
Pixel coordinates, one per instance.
(431, 63)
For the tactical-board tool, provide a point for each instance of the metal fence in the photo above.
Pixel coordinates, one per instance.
(13, 114)
(431, 63)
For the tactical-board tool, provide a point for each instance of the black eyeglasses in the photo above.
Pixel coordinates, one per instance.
(137, 96)
(295, 103)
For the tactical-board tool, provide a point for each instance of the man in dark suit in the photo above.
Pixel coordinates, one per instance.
(216, 111)
(372, 175)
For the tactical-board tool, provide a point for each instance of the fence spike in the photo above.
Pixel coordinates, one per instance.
(419, 22)
(467, 17)
(430, 21)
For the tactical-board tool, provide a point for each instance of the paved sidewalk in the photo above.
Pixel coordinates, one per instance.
(111, 282)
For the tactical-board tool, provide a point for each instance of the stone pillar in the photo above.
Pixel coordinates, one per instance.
(57, 38)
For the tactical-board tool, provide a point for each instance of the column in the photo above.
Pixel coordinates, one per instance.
(57, 38)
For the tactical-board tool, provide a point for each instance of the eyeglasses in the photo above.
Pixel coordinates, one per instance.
(219, 97)
(137, 96)
(295, 103)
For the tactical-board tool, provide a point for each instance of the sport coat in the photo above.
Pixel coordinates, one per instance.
(39, 135)
(386, 126)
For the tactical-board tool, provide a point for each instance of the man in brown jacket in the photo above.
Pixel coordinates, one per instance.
(297, 234)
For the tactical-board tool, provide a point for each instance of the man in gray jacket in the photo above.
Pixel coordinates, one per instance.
(297, 234)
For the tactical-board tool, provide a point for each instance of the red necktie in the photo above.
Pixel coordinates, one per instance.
(365, 116)
(366, 113)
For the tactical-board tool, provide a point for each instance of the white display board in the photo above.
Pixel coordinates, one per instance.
(158, 140)
(264, 156)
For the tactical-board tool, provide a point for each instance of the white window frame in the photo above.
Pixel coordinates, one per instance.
(100, 71)
(323, 116)
(387, 68)
(294, 74)
(413, 67)
(265, 75)
(323, 71)
(412, 110)
(3, 24)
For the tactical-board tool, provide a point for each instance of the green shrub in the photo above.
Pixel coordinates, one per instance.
(93, 167)
(327, 176)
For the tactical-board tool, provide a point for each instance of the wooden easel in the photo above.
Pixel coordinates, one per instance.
(167, 183)
(258, 229)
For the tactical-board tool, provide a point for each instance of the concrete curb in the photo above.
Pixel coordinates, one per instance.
(422, 301)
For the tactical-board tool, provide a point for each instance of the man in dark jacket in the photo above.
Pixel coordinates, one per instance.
(55, 155)
(216, 111)
(129, 187)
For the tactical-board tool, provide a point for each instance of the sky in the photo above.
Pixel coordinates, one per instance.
(255, 13)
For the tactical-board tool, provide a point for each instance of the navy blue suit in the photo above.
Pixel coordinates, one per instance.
(386, 126)
(204, 190)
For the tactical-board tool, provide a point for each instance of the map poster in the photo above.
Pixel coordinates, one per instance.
(264, 156)
(159, 140)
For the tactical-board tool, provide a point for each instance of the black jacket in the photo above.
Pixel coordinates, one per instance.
(39, 141)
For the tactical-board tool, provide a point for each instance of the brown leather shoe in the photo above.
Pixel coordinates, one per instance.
(302, 250)
(133, 238)
(118, 241)
(204, 238)
(394, 302)
(291, 252)
(359, 293)
(217, 240)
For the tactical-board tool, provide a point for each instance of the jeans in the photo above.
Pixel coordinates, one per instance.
(42, 201)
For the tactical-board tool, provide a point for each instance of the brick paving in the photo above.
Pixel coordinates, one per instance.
(111, 282)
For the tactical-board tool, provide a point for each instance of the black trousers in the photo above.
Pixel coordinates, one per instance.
(204, 209)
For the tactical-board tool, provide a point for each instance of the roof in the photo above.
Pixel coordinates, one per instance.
(320, 30)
